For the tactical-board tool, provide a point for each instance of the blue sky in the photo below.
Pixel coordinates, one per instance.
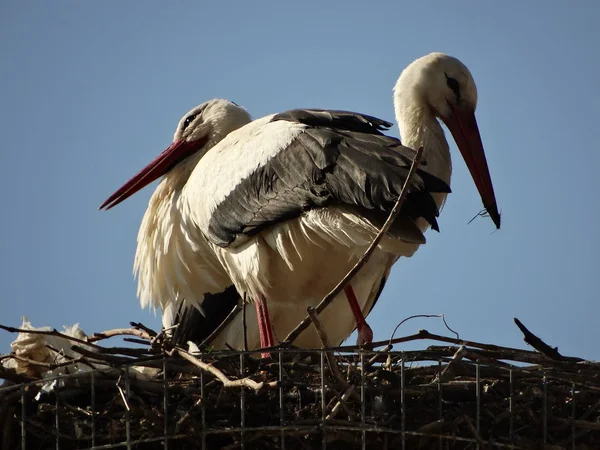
(92, 91)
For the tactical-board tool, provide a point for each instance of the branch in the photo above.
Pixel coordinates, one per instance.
(538, 344)
(227, 383)
(80, 359)
(143, 327)
(473, 430)
(12, 375)
(343, 400)
(104, 356)
(449, 369)
(426, 316)
(244, 324)
(53, 332)
(120, 332)
(335, 370)
(424, 334)
(365, 257)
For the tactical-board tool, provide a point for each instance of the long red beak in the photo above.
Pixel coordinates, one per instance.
(173, 154)
(463, 126)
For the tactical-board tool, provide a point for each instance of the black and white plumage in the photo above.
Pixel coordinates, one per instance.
(292, 200)
(286, 204)
(336, 158)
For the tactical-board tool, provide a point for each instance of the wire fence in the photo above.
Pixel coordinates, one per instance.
(435, 398)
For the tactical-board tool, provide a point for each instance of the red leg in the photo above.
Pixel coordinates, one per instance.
(264, 325)
(365, 334)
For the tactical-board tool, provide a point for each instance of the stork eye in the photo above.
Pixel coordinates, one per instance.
(189, 119)
(453, 84)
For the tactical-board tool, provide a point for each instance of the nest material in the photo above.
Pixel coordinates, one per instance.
(455, 396)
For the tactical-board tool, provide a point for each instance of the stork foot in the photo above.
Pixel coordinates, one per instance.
(365, 334)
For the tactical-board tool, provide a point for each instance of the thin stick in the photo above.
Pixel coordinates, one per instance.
(120, 332)
(227, 383)
(53, 332)
(141, 326)
(424, 334)
(449, 369)
(123, 396)
(473, 430)
(49, 366)
(338, 406)
(335, 370)
(426, 316)
(538, 344)
(244, 324)
(365, 257)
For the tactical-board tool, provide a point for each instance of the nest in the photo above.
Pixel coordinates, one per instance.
(458, 394)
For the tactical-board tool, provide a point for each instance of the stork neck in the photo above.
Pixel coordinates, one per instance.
(419, 127)
(176, 178)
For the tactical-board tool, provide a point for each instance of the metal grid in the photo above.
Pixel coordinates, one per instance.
(366, 430)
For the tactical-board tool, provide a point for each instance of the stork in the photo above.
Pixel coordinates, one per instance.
(173, 262)
(176, 269)
(289, 202)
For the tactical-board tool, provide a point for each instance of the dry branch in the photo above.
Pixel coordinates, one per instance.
(53, 332)
(120, 332)
(227, 383)
(540, 345)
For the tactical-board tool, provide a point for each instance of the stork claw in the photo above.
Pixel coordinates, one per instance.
(365, 334)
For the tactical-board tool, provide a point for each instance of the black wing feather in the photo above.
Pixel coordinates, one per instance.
(340, 158)
(347, 120)
(194, 326)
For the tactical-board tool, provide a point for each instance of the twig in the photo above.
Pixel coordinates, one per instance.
(120, 332)
(338, 406)
(137, 341)
(112, 359)
(538, 344)
(335, 370)
(424, 334)
(227, 383)
(365, 257)
(122, 394)
(473, 431)
(415, 316)
(449, 369)
(221, 326)
(125, 351)
(141, 326)
(49, 366)
(244, 323)
(53, 332)
(81, 359)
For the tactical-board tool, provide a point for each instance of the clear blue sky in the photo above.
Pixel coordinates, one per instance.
(92, 91)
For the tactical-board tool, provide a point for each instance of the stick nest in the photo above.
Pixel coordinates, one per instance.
(459, 394)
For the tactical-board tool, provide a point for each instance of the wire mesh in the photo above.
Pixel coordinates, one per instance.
(395, 400)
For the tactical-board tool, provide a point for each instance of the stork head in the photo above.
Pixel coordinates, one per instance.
(198, 131)
(443, 85)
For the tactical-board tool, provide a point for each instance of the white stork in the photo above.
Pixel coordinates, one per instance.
(177, 270)
(289, 202)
